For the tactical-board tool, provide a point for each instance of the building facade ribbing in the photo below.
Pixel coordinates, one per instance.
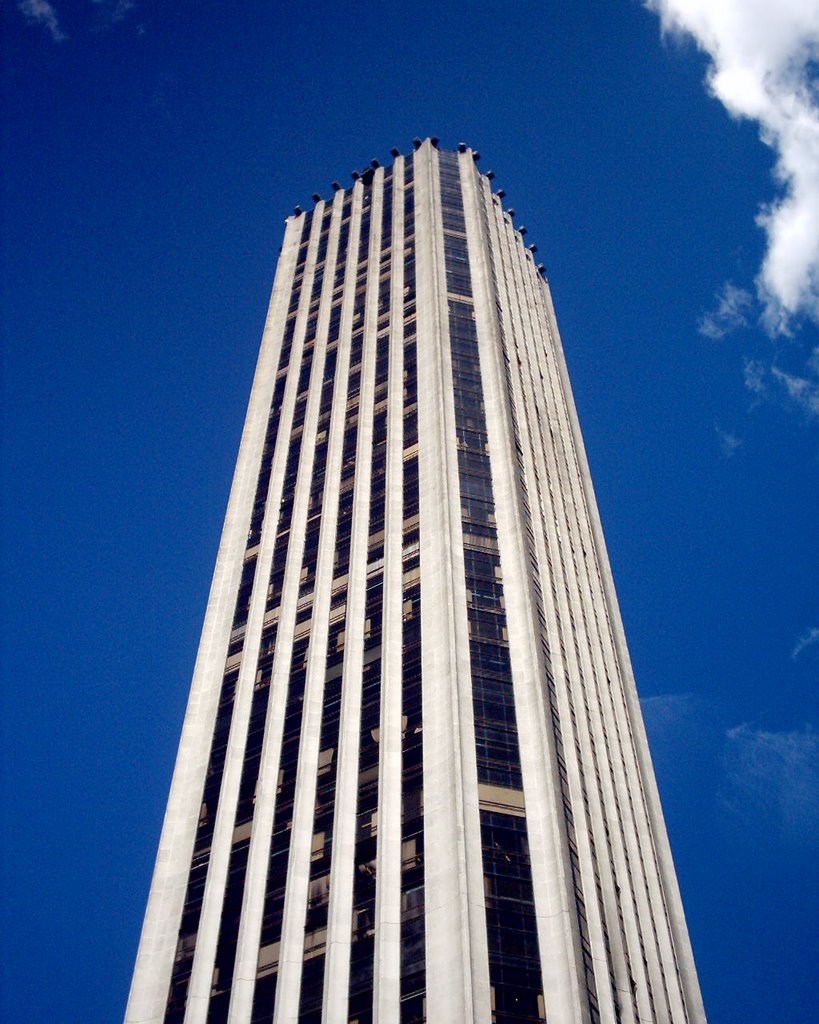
(413, 782)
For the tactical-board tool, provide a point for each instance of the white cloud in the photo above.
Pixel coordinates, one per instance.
(808, 639)
(773, 779)
(763, 67)
(41, 12)
(733, 306)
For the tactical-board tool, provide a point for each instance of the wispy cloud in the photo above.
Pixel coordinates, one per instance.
(728, 442)
(773, 779)
(808, 639)
(754, 373)
(799, 388)
(802, 389)
(667, 714)
(103, 14)
(763, 67)
(41, 12)
(110, 12)
(732, 310)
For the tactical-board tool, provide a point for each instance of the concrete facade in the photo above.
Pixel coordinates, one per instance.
(413, 782)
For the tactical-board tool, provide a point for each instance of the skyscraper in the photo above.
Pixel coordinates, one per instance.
(413, 782)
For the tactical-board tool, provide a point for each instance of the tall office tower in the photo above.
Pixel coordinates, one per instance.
(413, 782)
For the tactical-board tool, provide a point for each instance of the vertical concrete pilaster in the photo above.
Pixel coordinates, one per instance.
(298, 862)
(387, 967)
(157, 948)
(605, 818)
(247, 954)
(340, 915)
(683, 954)
(456, 954)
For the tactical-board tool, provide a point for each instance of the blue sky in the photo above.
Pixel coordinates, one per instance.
(151, 152)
